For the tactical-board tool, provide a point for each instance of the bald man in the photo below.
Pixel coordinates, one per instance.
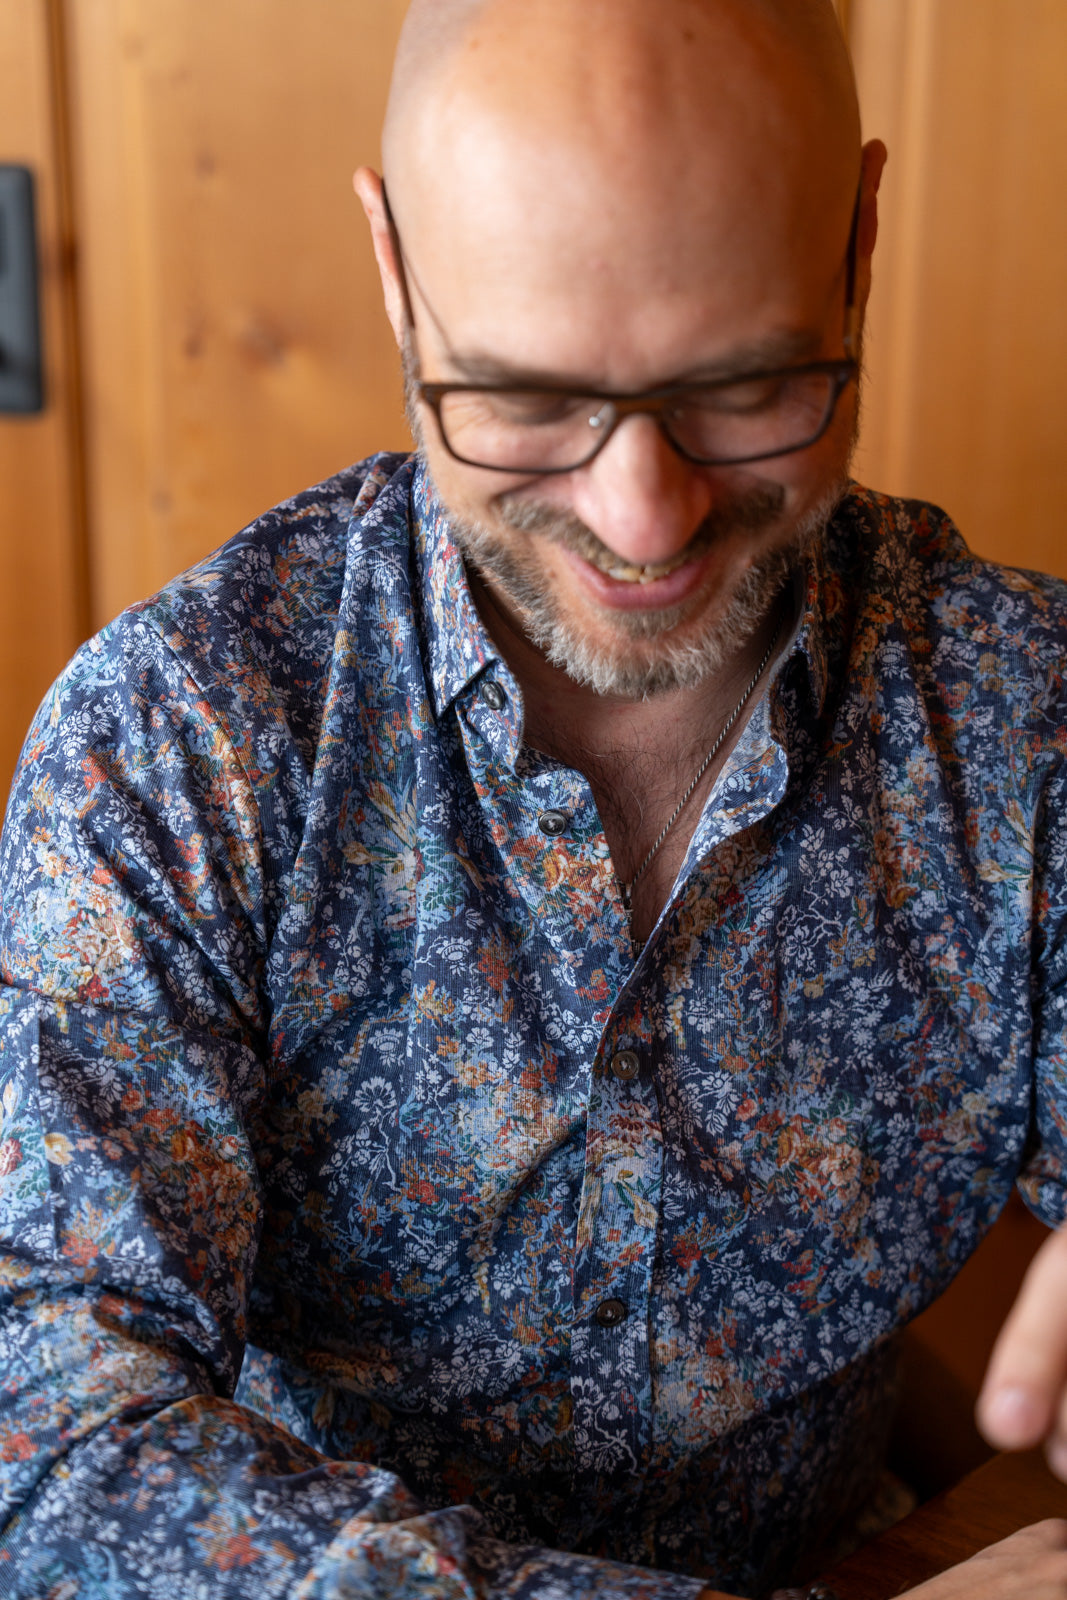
(527, 968)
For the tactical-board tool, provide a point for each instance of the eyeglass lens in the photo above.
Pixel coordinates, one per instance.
(533, 430)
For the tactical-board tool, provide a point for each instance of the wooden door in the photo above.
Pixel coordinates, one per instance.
(967, 346)
(43, 599)
(236, 349)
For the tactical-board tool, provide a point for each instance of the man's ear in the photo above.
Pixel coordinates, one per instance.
(875, 156)
(368, 187)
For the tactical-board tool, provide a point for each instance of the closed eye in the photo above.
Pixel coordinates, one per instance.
(737, 399)
(532, 408)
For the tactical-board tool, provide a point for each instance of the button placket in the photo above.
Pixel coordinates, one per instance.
(731, 808)
(547, 861)
(617, 1244)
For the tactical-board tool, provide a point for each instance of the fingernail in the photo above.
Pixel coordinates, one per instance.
(1012, 1412)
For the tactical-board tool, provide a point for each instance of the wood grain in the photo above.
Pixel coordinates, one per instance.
(967, 349)
(43, 614)
(1008, 1493)
(237, 349)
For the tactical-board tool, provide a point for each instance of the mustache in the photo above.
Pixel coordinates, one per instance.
(750, 512)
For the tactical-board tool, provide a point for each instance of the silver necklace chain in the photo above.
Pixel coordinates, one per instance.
(627, 889)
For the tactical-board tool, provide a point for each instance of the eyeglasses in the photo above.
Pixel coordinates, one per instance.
(542, 429)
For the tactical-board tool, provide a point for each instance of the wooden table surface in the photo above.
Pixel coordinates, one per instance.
(1006, 1494)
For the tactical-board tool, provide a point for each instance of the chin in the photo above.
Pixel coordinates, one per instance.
(643, 654)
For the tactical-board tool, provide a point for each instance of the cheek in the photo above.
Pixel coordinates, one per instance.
(840, 438)
(468, 492)
(810, 475)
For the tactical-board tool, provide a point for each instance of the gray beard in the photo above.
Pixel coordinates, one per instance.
(643, 660)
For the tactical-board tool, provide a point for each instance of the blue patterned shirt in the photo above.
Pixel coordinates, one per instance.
(372, 1221)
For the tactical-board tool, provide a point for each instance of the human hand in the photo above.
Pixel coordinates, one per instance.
(1029, 1565)
(1024, 1397)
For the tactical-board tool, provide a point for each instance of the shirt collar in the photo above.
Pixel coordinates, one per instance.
(458, 648)
(821, 637)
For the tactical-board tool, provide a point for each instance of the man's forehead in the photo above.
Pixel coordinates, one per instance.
(649, 107)
(479, 49)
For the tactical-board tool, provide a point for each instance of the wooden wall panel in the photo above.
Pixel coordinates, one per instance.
(42, 618)
(967, 349)
(236, 346)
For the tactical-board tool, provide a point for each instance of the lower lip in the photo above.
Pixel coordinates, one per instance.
(657, 595)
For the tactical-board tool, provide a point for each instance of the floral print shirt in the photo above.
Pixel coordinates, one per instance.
(373, 1222)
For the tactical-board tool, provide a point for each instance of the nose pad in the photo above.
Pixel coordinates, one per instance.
(613, 415)
(639, 496)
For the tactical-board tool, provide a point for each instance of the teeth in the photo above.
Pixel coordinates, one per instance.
(625, 572)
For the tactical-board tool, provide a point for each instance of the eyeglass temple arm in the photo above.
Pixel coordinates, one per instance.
(852, 310)
(398, 255)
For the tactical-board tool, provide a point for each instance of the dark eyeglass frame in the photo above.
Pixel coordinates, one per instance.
(652, 402)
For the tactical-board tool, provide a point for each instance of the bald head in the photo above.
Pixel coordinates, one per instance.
(621, 78)
(438, 34)
(537, 139)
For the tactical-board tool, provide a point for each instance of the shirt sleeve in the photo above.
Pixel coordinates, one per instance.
(1043, 1179)
(134, 1060)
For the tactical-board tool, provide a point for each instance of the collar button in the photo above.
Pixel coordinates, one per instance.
(493, 695)
(553, 823)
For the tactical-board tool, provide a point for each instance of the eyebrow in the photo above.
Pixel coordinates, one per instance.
(758, 355)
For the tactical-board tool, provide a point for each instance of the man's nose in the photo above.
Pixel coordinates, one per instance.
(641, 497)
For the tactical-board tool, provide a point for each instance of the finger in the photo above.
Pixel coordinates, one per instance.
(1027, 1371)
(1056, 1443)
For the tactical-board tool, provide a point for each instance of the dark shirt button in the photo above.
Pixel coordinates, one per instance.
(493, 695)
(553, 823)
(609, 1313)
(626, 1065)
